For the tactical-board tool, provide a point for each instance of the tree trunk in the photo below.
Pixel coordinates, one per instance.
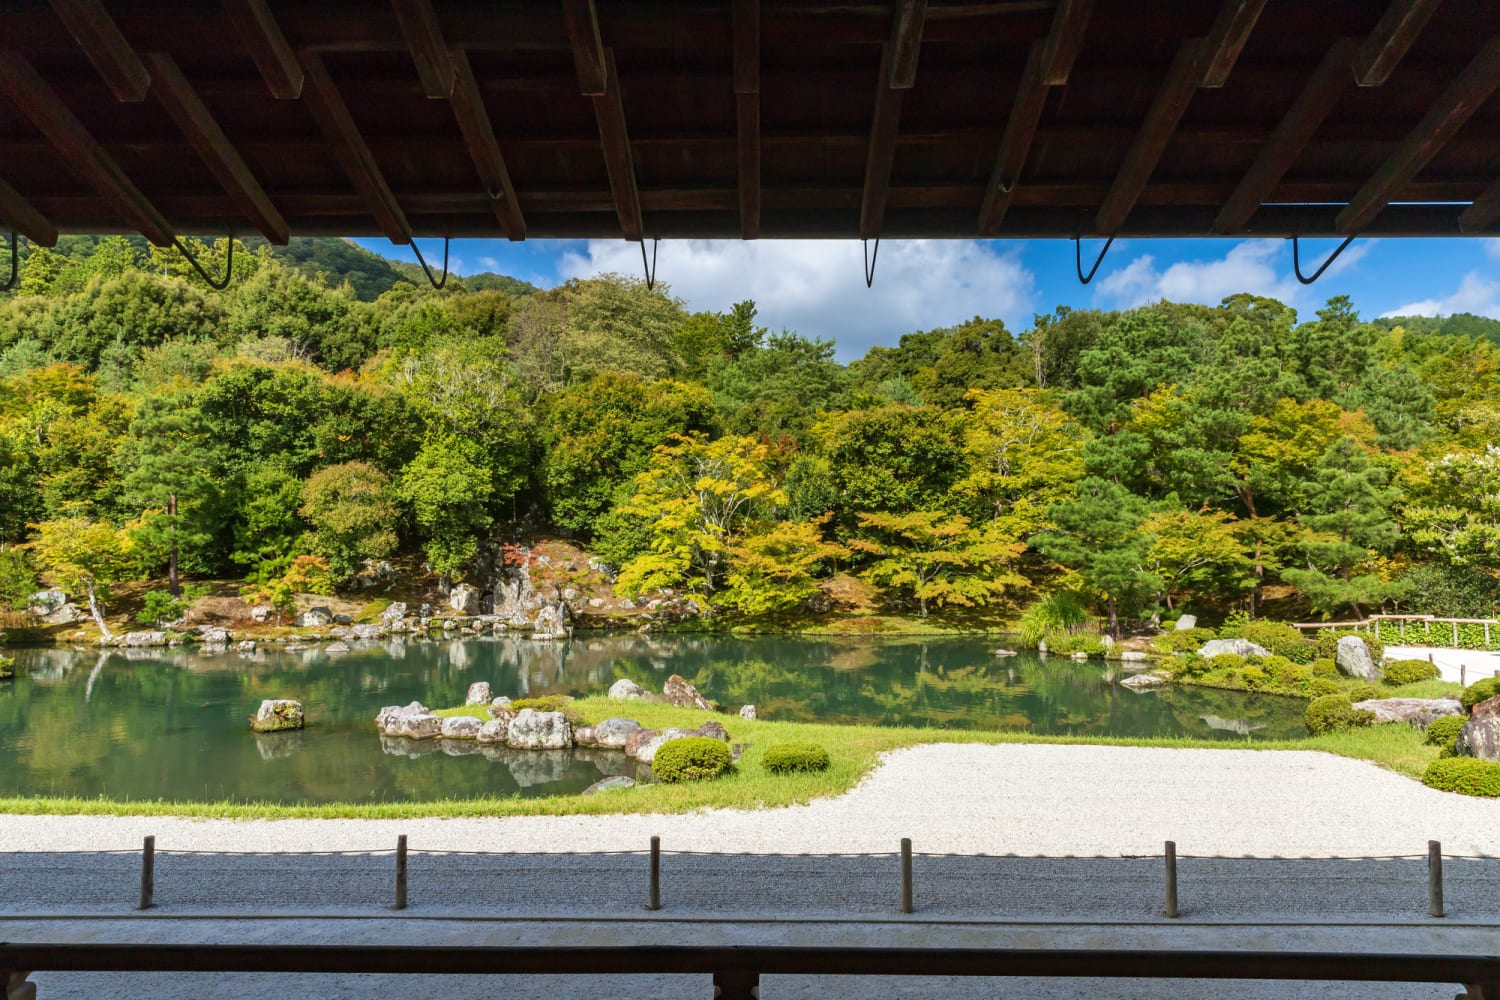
(98, 613)
(173, 587)
(1114, 620)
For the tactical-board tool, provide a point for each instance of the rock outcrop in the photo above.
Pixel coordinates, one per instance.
(1414, 711)
(1480, 736)
(314, 618)
(626, 689)
(1185, 622)
(277, 714)
(139, 639)
(613, 733)
(461, 727)
(533, 730)
(679, 692)
(643, 743)
(479, 694)
(464, 599)
(1353, 658)
(1239, 647)
(747, 711)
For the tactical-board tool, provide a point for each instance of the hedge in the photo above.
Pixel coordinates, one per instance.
(1480, 691)
(691, 758)
(1438, 634)
(783, 758)
(1464, 775)
(1408, 672)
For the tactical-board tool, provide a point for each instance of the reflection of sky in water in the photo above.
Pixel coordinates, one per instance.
(172, 724)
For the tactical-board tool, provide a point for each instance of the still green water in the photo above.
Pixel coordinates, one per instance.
(172, 724)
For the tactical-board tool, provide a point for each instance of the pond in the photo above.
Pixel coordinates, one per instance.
(172, 724)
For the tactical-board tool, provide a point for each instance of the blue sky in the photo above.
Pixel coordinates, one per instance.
(817, 287)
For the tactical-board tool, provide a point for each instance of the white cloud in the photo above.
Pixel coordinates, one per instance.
(1474, 295)
(816, 287)
(490, 263)
(1260, 267)
(1492, 247)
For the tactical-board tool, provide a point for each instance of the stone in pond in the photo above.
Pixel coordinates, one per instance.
(626, 689)
(1133, 656)
(1353, 658)
(1139, 682)
(145, 638)
(541, 768)
(494, 731)
(679, 692)
(277, 714)
(613, 733)
(461, 727)
(336, 647)
(533, 730)
(583, 736)
(214, 637)
(1006, 652)
(612, 782)
(479, 693)
(388, 714)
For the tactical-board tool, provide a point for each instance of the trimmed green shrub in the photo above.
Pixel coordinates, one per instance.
(1328, 642)
(1464, 775)
(1480, 691)
(1286, 673)
(1364, 692)
(1408, 672)
(1228, 661)
(1255, 677)
(1190, 665)
(1323, 685)
(692, 758)
(1189, 640)
(784, 758)
(1334, 712)
(1443, 732)
(7, 667)
(1068, 643)
(1282, 640)
(1325, 668)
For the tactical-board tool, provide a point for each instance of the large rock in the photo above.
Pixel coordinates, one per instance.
(584, 736)
(747, 712)
(626, 689)
(1353, 658)
(503, 713)
(1134, 656)
(1480, 736)
(464, 599)
(262, 613)
(643, 744)
(45, 602)
(679, 692)
(606, 784)
(479, 693)
(415, 726)
(1239, 647)
(277, 714)
(386, 715)
(494, 731)
(613, 733)
(367, 631)
(714, 731)
(67, 614)
(551, 622)
(214, 637)
(1140, 682)
(393, 614)
(314, 618)
(461, 727)
(1185, 622)
(145, 639)
(533, 730)
(1415, 711)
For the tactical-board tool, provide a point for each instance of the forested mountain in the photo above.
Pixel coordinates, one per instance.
(289, 431)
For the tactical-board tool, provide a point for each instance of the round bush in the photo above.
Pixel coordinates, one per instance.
(1480, 691)
(1190, 665)
(691, 758)
(1408, 672)
(1325, 668)
(1464, 775)
(1334, 712)
(1255, 677)
(1322, 685)
(783, 758)
(1281, 639)
(1228, 661)
(1443, 732)
(1364, 692)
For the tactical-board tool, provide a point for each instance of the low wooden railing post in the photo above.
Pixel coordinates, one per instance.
(400, 903)
(1434, 879)
(148, 873)
(906, 893)
(653, 892)
(1170, 857)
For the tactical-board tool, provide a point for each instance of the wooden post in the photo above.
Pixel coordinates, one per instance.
(1486, 635)
(400, 873)
(653, 893)
(148, 873)
(1455, 635)
(1171, 861)
(1462, 669)
(1434, 878)
(906, 900)
(1402, 625)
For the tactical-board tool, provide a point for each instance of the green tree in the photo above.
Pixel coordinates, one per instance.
(776, 568)
(1024, 454)
(352, 515)
(449, 489)
(937, 558)
(1198, 553)
(1098, 535)
(88, 555)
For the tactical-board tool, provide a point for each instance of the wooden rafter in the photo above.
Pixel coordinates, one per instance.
(1020, 129)
(1484, 212)
(588, 47)
(107, 48)
(197, 123)
(19, 214)
(257, 28)
(1457, 103)
(349, 148)
(1230, 33)
(1393, 36)
(1151, 141)
(614, 135)
(746, 31)
(880, 156)
(1299, 125)
(424, 37)
(80, 150)
(479, 136)
(1064, 40)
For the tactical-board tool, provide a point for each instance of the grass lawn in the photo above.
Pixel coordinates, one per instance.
(853, 751)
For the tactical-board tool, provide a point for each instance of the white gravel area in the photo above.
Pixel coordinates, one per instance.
(963, 799)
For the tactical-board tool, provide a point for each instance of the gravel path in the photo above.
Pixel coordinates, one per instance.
(960, 799)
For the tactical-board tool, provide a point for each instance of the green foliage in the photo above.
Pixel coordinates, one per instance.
(1184, 640)
(1328, 643)
(17, 578)
(1082, 641)
(1227, 661)
(1334, 712)
(1097, 535)
(1325, 667)
(159, 606)
(785, 758)
(1322, 686)
(1363, 692)
(938, 558)
(1480, 691)
(1191, 665)
(352, 515)
(1059, 611)
(776, 568)
(692, 758)
(1443, 732)
(1464, 775)
(1402, 672)
(1280, 639)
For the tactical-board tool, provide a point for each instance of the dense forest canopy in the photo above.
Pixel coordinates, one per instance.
(330, 410)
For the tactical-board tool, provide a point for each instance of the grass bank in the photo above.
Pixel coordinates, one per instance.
(853, 751)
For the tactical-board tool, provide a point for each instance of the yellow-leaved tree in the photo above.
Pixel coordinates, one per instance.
(88, 555)
(938, 558)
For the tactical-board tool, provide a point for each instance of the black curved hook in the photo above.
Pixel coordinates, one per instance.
(15, 262)
(1297, 260)
(219, 284)
(870, 261)
(1078, 259)
(650, 270)
(439, 283)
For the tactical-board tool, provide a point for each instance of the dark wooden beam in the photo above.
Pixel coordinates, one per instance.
(1167, 109)
(1230, 33)
(588, 46)
(1020, 130)
(881, 153)
(1299, 125)
(906, 42)
(80, 150)
(101, 40)
(197, 123)
(1064, 40)
(348, 146)
(746, 28)
(614, 136)
(257, 29)
(479, 136)
(1484, 212)
(424, 37)
(1457, 103)
(1388, 43)
(19, 214)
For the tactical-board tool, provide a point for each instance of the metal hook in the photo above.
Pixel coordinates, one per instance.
(651, 270)
(1078, 259)
(217, 285)
(870, 261)
(1297, 260)
(15, 254)
(438, 284)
